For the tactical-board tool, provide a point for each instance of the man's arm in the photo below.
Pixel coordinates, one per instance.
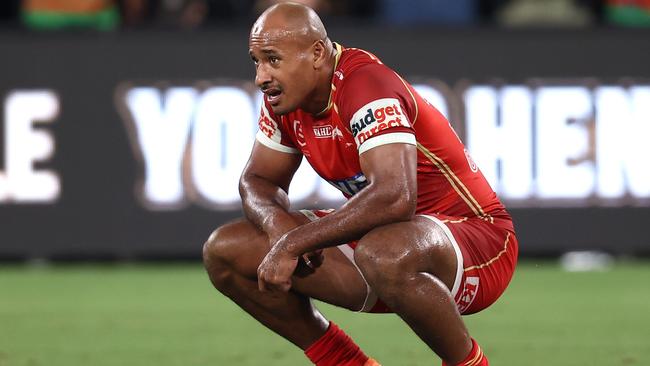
(390, 196)
(263, 187)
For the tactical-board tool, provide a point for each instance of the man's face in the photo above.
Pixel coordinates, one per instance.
(284, 69)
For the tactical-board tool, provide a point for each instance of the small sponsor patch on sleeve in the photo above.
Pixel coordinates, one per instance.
(377, 116)
(269, 133)
(268, 126)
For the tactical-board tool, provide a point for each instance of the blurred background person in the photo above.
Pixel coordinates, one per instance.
(418, 12)
(549, 13)
(59, 14)
(628, 12)
(185, 14)
(190, 14)
(336, 9)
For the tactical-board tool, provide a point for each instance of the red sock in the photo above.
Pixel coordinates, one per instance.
(335, 348)
(475, 357)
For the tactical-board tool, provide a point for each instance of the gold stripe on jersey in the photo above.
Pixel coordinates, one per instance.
(339, 51)
(433, 159)
(505, 249)
(477, 358)
(456, 183)
(415, 102)
(455, 221)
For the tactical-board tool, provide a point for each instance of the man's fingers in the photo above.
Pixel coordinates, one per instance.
(318, 258)
(303, 269)
(285, 287)
(307, 260)
(265, 285)
(314, 259)
(274, 273)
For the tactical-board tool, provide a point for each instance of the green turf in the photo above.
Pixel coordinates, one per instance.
(169, 315)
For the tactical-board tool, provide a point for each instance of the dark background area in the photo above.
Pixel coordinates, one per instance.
(84, 57)
(98, 215)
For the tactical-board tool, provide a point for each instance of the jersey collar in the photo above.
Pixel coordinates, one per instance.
(339, 51)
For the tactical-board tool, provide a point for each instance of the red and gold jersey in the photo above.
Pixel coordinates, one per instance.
(371, 105)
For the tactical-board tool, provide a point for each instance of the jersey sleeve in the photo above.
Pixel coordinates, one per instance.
(271, 134)
(374, 102)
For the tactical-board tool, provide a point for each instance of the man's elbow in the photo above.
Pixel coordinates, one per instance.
(248, 183)
(403, 206)
(243, 183)
(243, 190)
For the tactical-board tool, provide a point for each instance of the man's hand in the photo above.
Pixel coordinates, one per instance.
(276, 269)
(309, 262)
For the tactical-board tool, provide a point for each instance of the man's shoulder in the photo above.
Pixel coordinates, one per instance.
(362, 78)
(355, 61)
(360, 73)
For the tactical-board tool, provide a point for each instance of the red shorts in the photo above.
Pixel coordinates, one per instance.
(486, 253)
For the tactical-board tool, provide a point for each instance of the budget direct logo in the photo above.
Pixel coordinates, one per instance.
(377, 116)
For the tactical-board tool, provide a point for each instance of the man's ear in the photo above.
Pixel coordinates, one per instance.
(319, 52)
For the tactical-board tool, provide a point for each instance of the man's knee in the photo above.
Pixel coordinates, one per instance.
(380, 259)
(390, 255)
(222, 252)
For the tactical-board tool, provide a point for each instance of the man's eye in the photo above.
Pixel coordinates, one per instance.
(273, 59)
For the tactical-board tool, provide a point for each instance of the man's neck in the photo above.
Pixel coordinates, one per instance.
(321, 96)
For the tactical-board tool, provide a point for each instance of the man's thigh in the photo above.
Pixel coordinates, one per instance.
(485, 256)
(336, 281)
(474, 258)
(398, 249)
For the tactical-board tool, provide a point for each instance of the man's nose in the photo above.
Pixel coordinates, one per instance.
(262, 76)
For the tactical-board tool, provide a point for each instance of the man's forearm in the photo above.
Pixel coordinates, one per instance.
(367, 210)
(266, 206)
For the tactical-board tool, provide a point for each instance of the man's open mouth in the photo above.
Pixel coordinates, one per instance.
(273, 95)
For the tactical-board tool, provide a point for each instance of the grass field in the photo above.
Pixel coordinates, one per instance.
(169, 315)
